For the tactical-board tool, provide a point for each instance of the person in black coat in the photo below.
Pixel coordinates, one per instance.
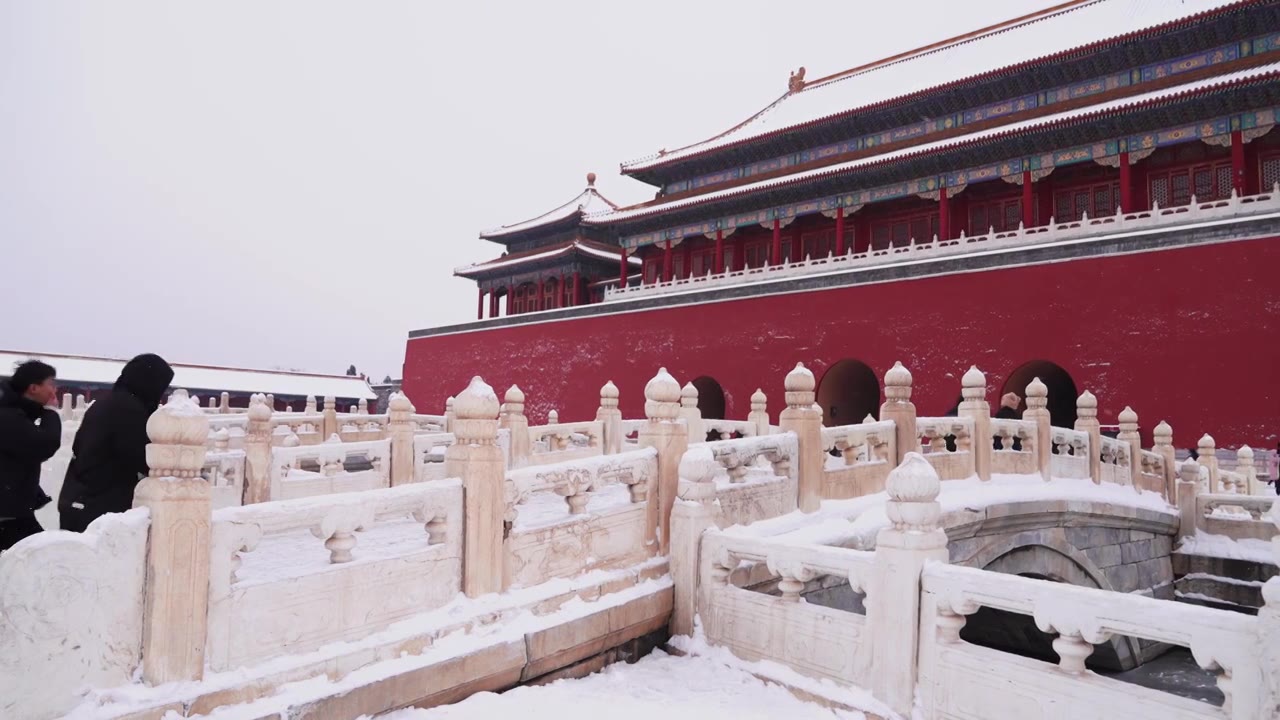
(30, 433)
(109, 452)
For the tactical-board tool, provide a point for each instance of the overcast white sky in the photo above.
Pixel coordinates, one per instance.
(292, 183)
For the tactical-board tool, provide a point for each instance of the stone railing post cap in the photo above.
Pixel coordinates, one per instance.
(1207, 441)
(758, 396)
(1087, 400)
(608, 390)
(180, 421)
(399, 402)
(898, 375)
(477, 402)
(1128, 416)
(1037, 388)
(973, 378)
(258, 409)
(689, 391)
(662, 388)
(1245, 451)
(515, 394)
(698, 464)
(914, 480)
(800, 379)
(1162, 429)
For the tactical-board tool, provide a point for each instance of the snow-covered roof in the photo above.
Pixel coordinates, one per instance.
(585, 247)
(588, 201)
(1000, 47)
(105, 371)
(1144, 98)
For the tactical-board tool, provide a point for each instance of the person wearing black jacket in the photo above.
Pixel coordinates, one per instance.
(109, 452)
(30, 433)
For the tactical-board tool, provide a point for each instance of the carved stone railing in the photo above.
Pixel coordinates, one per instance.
(1070, 453)
(1238, 517)
(565, 441)
(429, 423)
(307, 428)
(1151, 473)
(570, 517)
(1096, 228)
(818, 641)
(339, 567)
(1013, 447)
(331, 467)
(224, 471)
(857, 458)
(727, 429)
(957, 678)
(1115, 462)
(937, 437)
(759, 477)
(358, 427)
(428, 455)
(630, 430)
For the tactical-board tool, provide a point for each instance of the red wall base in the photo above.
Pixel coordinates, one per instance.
(1190, 336)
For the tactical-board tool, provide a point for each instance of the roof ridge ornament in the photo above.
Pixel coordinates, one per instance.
(795, 83)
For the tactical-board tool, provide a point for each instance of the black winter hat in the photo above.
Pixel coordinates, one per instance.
(31, 372)
(147, 377)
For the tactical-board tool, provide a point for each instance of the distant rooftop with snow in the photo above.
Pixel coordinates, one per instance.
(587, 202)
(105, 371)
(998, 48)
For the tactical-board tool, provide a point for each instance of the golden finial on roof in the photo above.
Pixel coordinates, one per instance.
(795, 83)
(591, 179)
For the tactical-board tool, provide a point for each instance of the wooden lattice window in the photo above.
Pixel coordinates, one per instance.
(1100, 200)
(818, 244)
(999, 215)
(1209, 181)
(904, 230)
(1269, 172)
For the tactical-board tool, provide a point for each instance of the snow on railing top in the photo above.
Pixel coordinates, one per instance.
(574, 480)
(1097, 228)
(738, 456)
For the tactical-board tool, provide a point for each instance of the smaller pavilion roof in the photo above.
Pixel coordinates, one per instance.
(579, 246)
(588, 201)
(208, 378)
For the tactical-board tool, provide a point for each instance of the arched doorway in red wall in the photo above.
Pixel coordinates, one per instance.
(710, 397)
(1062, 389)
(849, 391)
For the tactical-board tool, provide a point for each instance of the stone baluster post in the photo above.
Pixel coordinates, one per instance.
(1128, 421)
(898, 408)
(213, 403)
(1162, 444)
(973, 388)
(400, 430)
(310, 408)
(902, 550)
(690, 413)
(670, 437)
(1038, 412)
(803, 417)
(759, 414)
(693, 514)
(1208, 452)
(477, 459)
(515, 421)
(610, 419)
(1188, 489)
(363, 406)
(1087, 422)
(67, 411)
(224, 403)
(329, 426)
(271, 402)
(1246, 467)
(175, 610)
(553, 417)
(257, 452)
(448, 414)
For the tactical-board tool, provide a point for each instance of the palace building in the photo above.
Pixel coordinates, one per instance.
(1087, 194)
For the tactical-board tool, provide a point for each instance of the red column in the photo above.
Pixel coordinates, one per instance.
(719, 262)
(540, 303)
(493, 304)
(1237, 162)
(623, 267)
(480, 306)
(1126, 184)
(576, 297)
(1028, 200)
(511, 295)
(775, 253)
(944, 215)
(666, 263)
(839, 231)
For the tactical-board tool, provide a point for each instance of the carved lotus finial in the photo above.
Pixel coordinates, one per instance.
(662, 396)
(609, 390)
(1128, 416)
(399, 402)
(914, 480)
(1207, 442)
(758, 397)
(1037, 389)
(698, 465)
(973, 378)
(1162, 433)
(1086, 401)
(178, 431)
(1245, 453)
(898, 376)
(259, 411)
(800, 379)
(514, 395)
(477, 402)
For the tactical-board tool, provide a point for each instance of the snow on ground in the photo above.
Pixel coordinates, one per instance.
(659, 685)
(1221, 546)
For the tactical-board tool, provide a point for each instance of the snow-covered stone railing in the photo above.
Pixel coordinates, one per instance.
(298, 472)
(558, 442)
(429, 423)
(934, 432)
(428, 455)
(1239, 517)
(1095, 228)
(1014, 448)
(223, 469)
(957, 678)
(1115, 462)
(306, 428)
(727, 429)
(338, 567)
(1151, 471)
(1070, 453)
(754, 477)
(631, 431)
(575, 516)
(857, 458)
(361, 427)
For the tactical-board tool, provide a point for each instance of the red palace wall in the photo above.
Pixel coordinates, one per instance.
(1188, 335)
